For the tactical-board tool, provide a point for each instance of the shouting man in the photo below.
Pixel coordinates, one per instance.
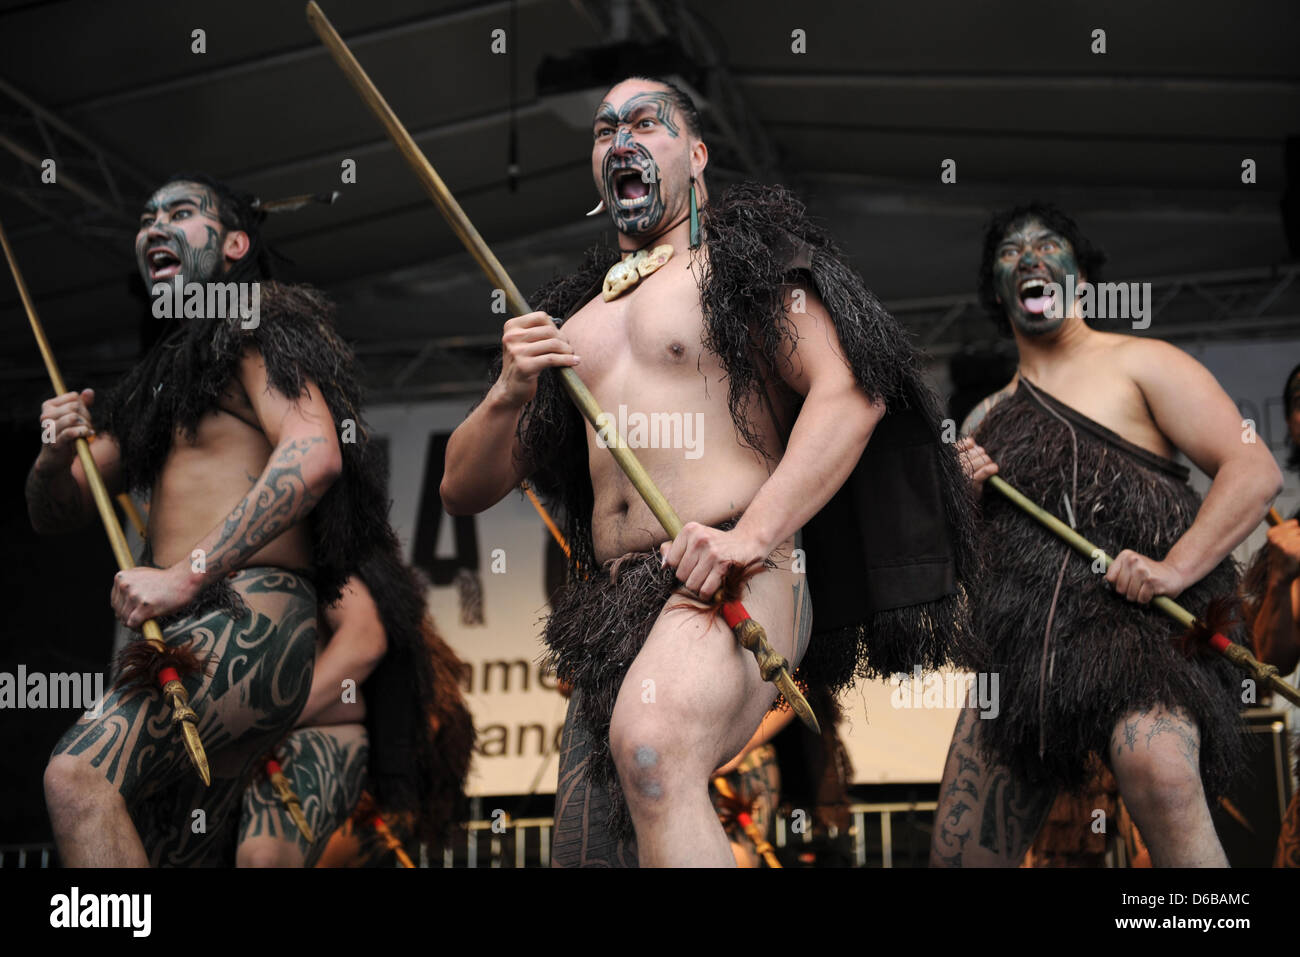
(738, 316)
(231, 424)
(1088, 428)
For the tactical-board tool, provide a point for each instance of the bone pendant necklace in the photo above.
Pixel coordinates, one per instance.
(623, 275)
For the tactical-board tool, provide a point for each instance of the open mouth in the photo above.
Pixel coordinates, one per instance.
(630, 188)
(163, 264)
(1034, 295)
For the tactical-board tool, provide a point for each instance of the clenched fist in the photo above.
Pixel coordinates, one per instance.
(143, 593)
(70, 416)
(1140, 579)
(977, 463)
(529, 344)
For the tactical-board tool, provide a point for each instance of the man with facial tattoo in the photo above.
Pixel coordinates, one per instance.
(230, 426)
(1088, 428)
(738, 314)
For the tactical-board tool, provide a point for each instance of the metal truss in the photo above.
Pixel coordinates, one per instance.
(1229, 304)
(1225, 304)
(86, 200)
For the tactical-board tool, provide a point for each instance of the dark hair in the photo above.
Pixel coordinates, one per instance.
(236, 210)
(1089, 257)
(680, 99)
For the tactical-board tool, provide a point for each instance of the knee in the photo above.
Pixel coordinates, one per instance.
(72, 785)
(639, 749)
(1158, 785)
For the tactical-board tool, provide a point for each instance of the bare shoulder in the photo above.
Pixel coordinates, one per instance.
(984, 407)
(1143, 356)
(1156, 366)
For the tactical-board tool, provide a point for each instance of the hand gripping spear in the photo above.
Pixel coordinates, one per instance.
(168, 677)
(1238, 655)
(750, 633)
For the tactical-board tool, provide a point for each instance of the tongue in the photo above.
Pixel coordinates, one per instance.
(634, 188)
(1037, 304)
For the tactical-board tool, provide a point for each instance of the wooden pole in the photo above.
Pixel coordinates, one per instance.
(182, 714)
(1237, 654)
(773, 666)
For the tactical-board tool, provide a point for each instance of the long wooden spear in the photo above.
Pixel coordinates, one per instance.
(168, 678)
(750, 633)
(1237, 654)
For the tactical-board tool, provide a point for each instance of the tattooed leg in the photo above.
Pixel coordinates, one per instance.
(986, 816)
(326, 767)
(1156, 756)
(583, 836)
(128, 763)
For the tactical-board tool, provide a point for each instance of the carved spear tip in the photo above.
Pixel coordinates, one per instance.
(284, 791)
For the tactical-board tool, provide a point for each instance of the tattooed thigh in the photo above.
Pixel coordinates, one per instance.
(583, 835)
(326, 768)
(986, 816)
(258, 670)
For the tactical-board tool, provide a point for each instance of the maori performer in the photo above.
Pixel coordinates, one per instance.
(385, 715)
(1272, 591)
(737, 318)
(231, 426)
(1088, 428)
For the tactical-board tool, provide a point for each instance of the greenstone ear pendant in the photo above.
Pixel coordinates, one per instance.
(695, 218)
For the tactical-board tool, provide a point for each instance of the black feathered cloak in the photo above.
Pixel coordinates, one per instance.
(1107, 656)
(184, 375)
(891, 556)
(420, 729)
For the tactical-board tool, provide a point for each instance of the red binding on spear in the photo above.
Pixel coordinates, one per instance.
(153, 656)
(750, 633)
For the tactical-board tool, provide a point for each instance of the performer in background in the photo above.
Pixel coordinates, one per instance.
(385, 715)
(1272, 591)
(1088, 427)
(738, 318)
(231, 427)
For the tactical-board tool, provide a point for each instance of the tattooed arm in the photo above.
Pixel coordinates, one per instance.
(304, 462)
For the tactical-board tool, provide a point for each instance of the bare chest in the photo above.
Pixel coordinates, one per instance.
(654, 329)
